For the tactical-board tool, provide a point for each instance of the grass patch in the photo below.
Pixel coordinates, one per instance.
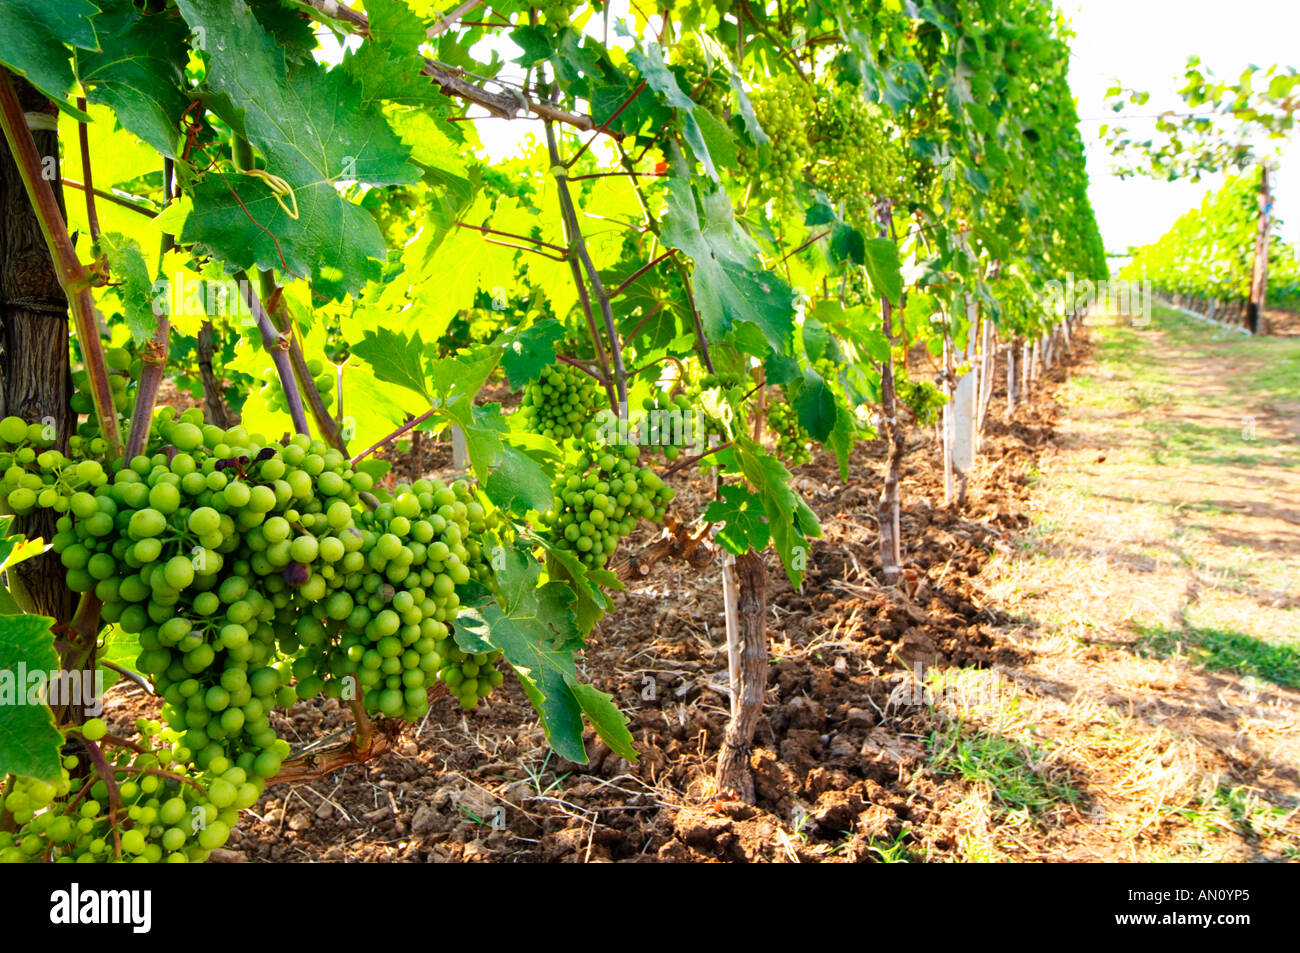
(1242, 811)
(1222, 650)
(1014, 771)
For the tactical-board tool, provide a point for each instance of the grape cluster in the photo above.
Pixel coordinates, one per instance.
(707, 83)
(273, 390)
(858, 156)
(793, 444)
(123, 368)
(159, 810)
(33, 474)
(393, 630)
(254, 575)
(923, 398)
(600, 500)
(782, 111)
(560, 403)
(667, 424)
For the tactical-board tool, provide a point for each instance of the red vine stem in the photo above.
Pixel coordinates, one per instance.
(578, 245)
(641, 271)
(409, 425)
(83, 136)
(278, 348)
(134, 203)
(74, 278)
(105, 771)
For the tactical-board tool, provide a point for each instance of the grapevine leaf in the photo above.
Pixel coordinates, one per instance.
(314, 128)
(591, 603)
(127, 265)
(730, 283)
(883, 268)
(535, 629)
(32, 38)
(814, 401)
(528, 353)
(29, 741)
(742, 513)
(789, 518)
(840, 440)
(139, 73)
(517, 483)
(389, 65)
(658, 77)
(748, 118)
(396, 359)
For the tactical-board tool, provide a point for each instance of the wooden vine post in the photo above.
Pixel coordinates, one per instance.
(34, 373)
(887, 514)
(1259, 274)
(744, 596)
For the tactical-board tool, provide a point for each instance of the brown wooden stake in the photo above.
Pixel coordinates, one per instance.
(34, 373)
(1259, 275)
(745, 578)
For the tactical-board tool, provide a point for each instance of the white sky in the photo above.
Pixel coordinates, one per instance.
(1145, 44)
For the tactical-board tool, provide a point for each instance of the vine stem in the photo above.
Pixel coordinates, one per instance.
(278, 347)
(578, 245)
(652, 222)
(134, 203)
(564, 358)
(83, 137)
(105, 771)
(409, 425)
(683, 464)
(641, 271)
(74, 278)
(327, 425)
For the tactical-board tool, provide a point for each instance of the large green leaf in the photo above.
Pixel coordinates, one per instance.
(884, 269)
(395, 358)
(658, 77)
(140, 72)
(789, 518)
(314, 128)
(730, 282)
(32, 38)
(534, 627)
(29, 741)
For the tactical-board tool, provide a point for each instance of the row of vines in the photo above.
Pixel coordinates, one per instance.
(1208, 255)
(729, 233)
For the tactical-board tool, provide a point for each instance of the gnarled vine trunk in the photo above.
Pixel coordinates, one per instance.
(34, 375)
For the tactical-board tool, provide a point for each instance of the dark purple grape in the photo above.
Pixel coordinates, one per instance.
(297, 574)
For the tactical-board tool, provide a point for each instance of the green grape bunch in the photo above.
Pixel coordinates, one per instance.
(254, 574)
(858, 156)
(667, 423)
(35, 475)
(159, 811)
(793, 444)
(922, 398)
(783, 110)
(560, 403)
(601, 498)
(706, 82)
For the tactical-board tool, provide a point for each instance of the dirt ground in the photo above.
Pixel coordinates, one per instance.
(1097, 657)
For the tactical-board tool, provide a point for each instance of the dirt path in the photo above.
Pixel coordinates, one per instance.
(1159, 596)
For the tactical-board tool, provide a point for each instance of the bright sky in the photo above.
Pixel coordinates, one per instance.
(1145, 43)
